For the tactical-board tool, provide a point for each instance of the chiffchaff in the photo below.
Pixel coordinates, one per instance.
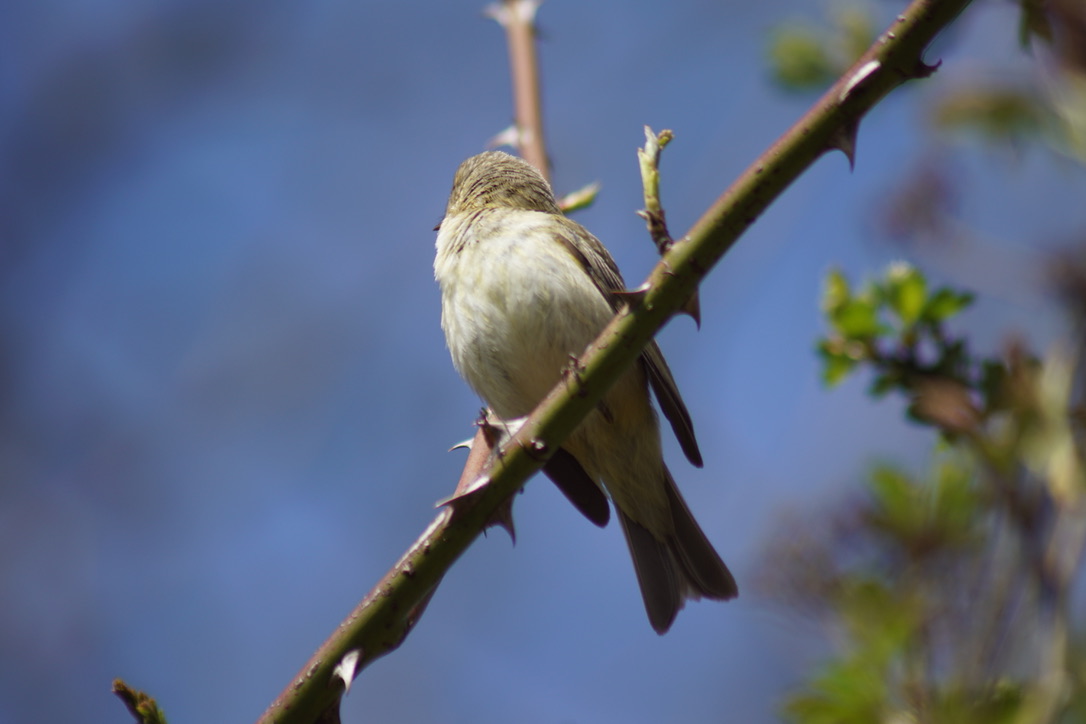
(523, 290)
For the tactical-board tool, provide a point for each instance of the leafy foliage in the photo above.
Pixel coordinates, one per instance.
(803, 57)
(896, 325)
(950, 590)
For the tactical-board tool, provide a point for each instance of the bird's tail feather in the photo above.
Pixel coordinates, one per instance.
(706, 573)
(682, 565)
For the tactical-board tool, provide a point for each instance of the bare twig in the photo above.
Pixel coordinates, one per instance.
(648, 157)
(142, 707)
(518, 19)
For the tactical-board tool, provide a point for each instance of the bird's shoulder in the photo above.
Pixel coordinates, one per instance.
(593, 257)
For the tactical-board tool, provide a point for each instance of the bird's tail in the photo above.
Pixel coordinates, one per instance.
(682, 565)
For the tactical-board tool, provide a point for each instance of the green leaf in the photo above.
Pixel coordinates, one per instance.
(880, 616)
(835, 291)
(857, 30)
(844, 692)
(944, 304)
(836, 364)
(956, 504)
(1000, 113)
(893, 494)
(906, 291)
(1000, 702)
(799, 59)
(582, 198)
(856, 319)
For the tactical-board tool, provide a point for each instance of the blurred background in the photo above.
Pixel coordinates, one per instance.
(225, 401)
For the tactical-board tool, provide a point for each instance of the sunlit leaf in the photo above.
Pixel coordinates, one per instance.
(844, 692)
(835, 291)
(944, 304)
(997, 113)
(799, 59)
(836, 365)
(906, 292)
(895, 506)
(956, 503)
(857, 31)
(856, 319)
(998, 704)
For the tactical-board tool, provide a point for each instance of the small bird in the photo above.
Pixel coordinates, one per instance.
(523, 291)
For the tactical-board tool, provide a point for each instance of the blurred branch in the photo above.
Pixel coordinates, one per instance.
(518, 19)
(386, 615)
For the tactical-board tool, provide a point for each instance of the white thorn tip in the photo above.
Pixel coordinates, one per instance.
(858, 77)
(346, 668)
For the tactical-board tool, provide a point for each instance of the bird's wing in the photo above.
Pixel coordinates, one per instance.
(603, 271)
(671, 402)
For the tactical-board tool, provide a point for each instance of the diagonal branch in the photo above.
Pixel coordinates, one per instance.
(386, 615)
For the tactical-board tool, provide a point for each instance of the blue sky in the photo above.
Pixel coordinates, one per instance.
(227, 401)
